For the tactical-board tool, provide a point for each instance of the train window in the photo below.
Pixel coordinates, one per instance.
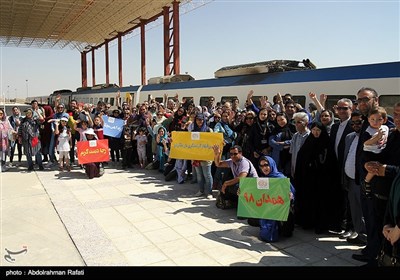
(95, 100)
(106, 99)
(188, 99)
(256, 101)
(91, 100)
(388, 101)
(101, 99)
(300, 99)
(333, 99)
(159, 99)
(227, 99)
(204, 101)
(112, 101)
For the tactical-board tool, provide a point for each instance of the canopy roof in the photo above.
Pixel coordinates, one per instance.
(77, 24)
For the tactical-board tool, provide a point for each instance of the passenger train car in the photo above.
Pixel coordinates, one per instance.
(337, 82)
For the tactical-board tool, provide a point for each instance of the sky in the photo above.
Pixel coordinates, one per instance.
(224, 33)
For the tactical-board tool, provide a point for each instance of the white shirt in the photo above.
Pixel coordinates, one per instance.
(350, 164)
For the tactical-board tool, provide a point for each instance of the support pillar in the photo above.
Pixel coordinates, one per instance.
(120, 59)
(83, 69)
(107, 63)
(93, 69)
(143, 51)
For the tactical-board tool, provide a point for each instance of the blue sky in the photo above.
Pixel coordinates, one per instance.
(225, 33)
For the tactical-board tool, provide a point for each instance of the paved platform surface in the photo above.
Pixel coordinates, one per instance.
(134, 218)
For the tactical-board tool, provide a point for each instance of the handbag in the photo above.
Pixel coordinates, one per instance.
(385, 259)
(35, 141)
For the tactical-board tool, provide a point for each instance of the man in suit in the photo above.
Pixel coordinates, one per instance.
(339, 131)
(348, 180)
(367, 99)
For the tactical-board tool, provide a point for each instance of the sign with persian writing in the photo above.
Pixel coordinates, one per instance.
(194, 145)
(113, 126)
(265, 198)
(93, 151)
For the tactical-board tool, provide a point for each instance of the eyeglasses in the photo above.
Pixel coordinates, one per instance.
(356, 123)
(263, 165)
(233, 154)
(343, 108)
(364, 99)
(249, 118)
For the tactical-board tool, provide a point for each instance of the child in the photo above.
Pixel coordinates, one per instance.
(63, 143)
(378, 133)
(141, 139)
(98, 126)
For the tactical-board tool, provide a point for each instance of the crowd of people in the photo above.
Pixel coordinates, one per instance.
(341, 161)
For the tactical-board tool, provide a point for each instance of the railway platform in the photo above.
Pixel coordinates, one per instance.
(134, 218)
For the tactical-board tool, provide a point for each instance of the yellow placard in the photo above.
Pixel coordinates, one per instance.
(194, 145)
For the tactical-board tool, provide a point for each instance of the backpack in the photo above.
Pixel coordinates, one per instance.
(269, 230)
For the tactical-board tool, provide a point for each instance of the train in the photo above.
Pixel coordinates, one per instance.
(265, 79)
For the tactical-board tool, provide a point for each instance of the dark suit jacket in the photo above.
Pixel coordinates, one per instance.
(335, 127)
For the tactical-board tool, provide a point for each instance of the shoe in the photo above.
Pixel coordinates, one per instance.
(360, 257)
(41, 167)
(30, 168)
(209, 196)
(181, 182)
(4, 168)
(49, 164)
(199, 194)
(356, 241)
(69, 168)
(346, 234)
(60, 168)
(336, 231)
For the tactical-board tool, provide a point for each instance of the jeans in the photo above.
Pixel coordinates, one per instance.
(204, 177)
(38, 159)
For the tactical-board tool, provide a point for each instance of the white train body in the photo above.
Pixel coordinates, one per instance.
(337, 82)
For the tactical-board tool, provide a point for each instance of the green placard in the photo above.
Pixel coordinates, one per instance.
(266, 198)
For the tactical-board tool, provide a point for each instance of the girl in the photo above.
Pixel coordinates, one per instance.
(268, 168)
(141, 139)
(63, 143)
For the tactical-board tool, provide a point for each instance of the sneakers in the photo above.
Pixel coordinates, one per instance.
(209, 196)
(50, 164)
(199, 194)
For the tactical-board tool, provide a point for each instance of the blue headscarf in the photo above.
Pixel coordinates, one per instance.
(275, 173)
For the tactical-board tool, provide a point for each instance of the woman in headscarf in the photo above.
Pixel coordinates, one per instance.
(28, 136)
(314, 185)
(92, 169)
(5, 131)
(202, 167)
(268, 168)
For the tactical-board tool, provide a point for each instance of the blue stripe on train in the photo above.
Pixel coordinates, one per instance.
(368, 71)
